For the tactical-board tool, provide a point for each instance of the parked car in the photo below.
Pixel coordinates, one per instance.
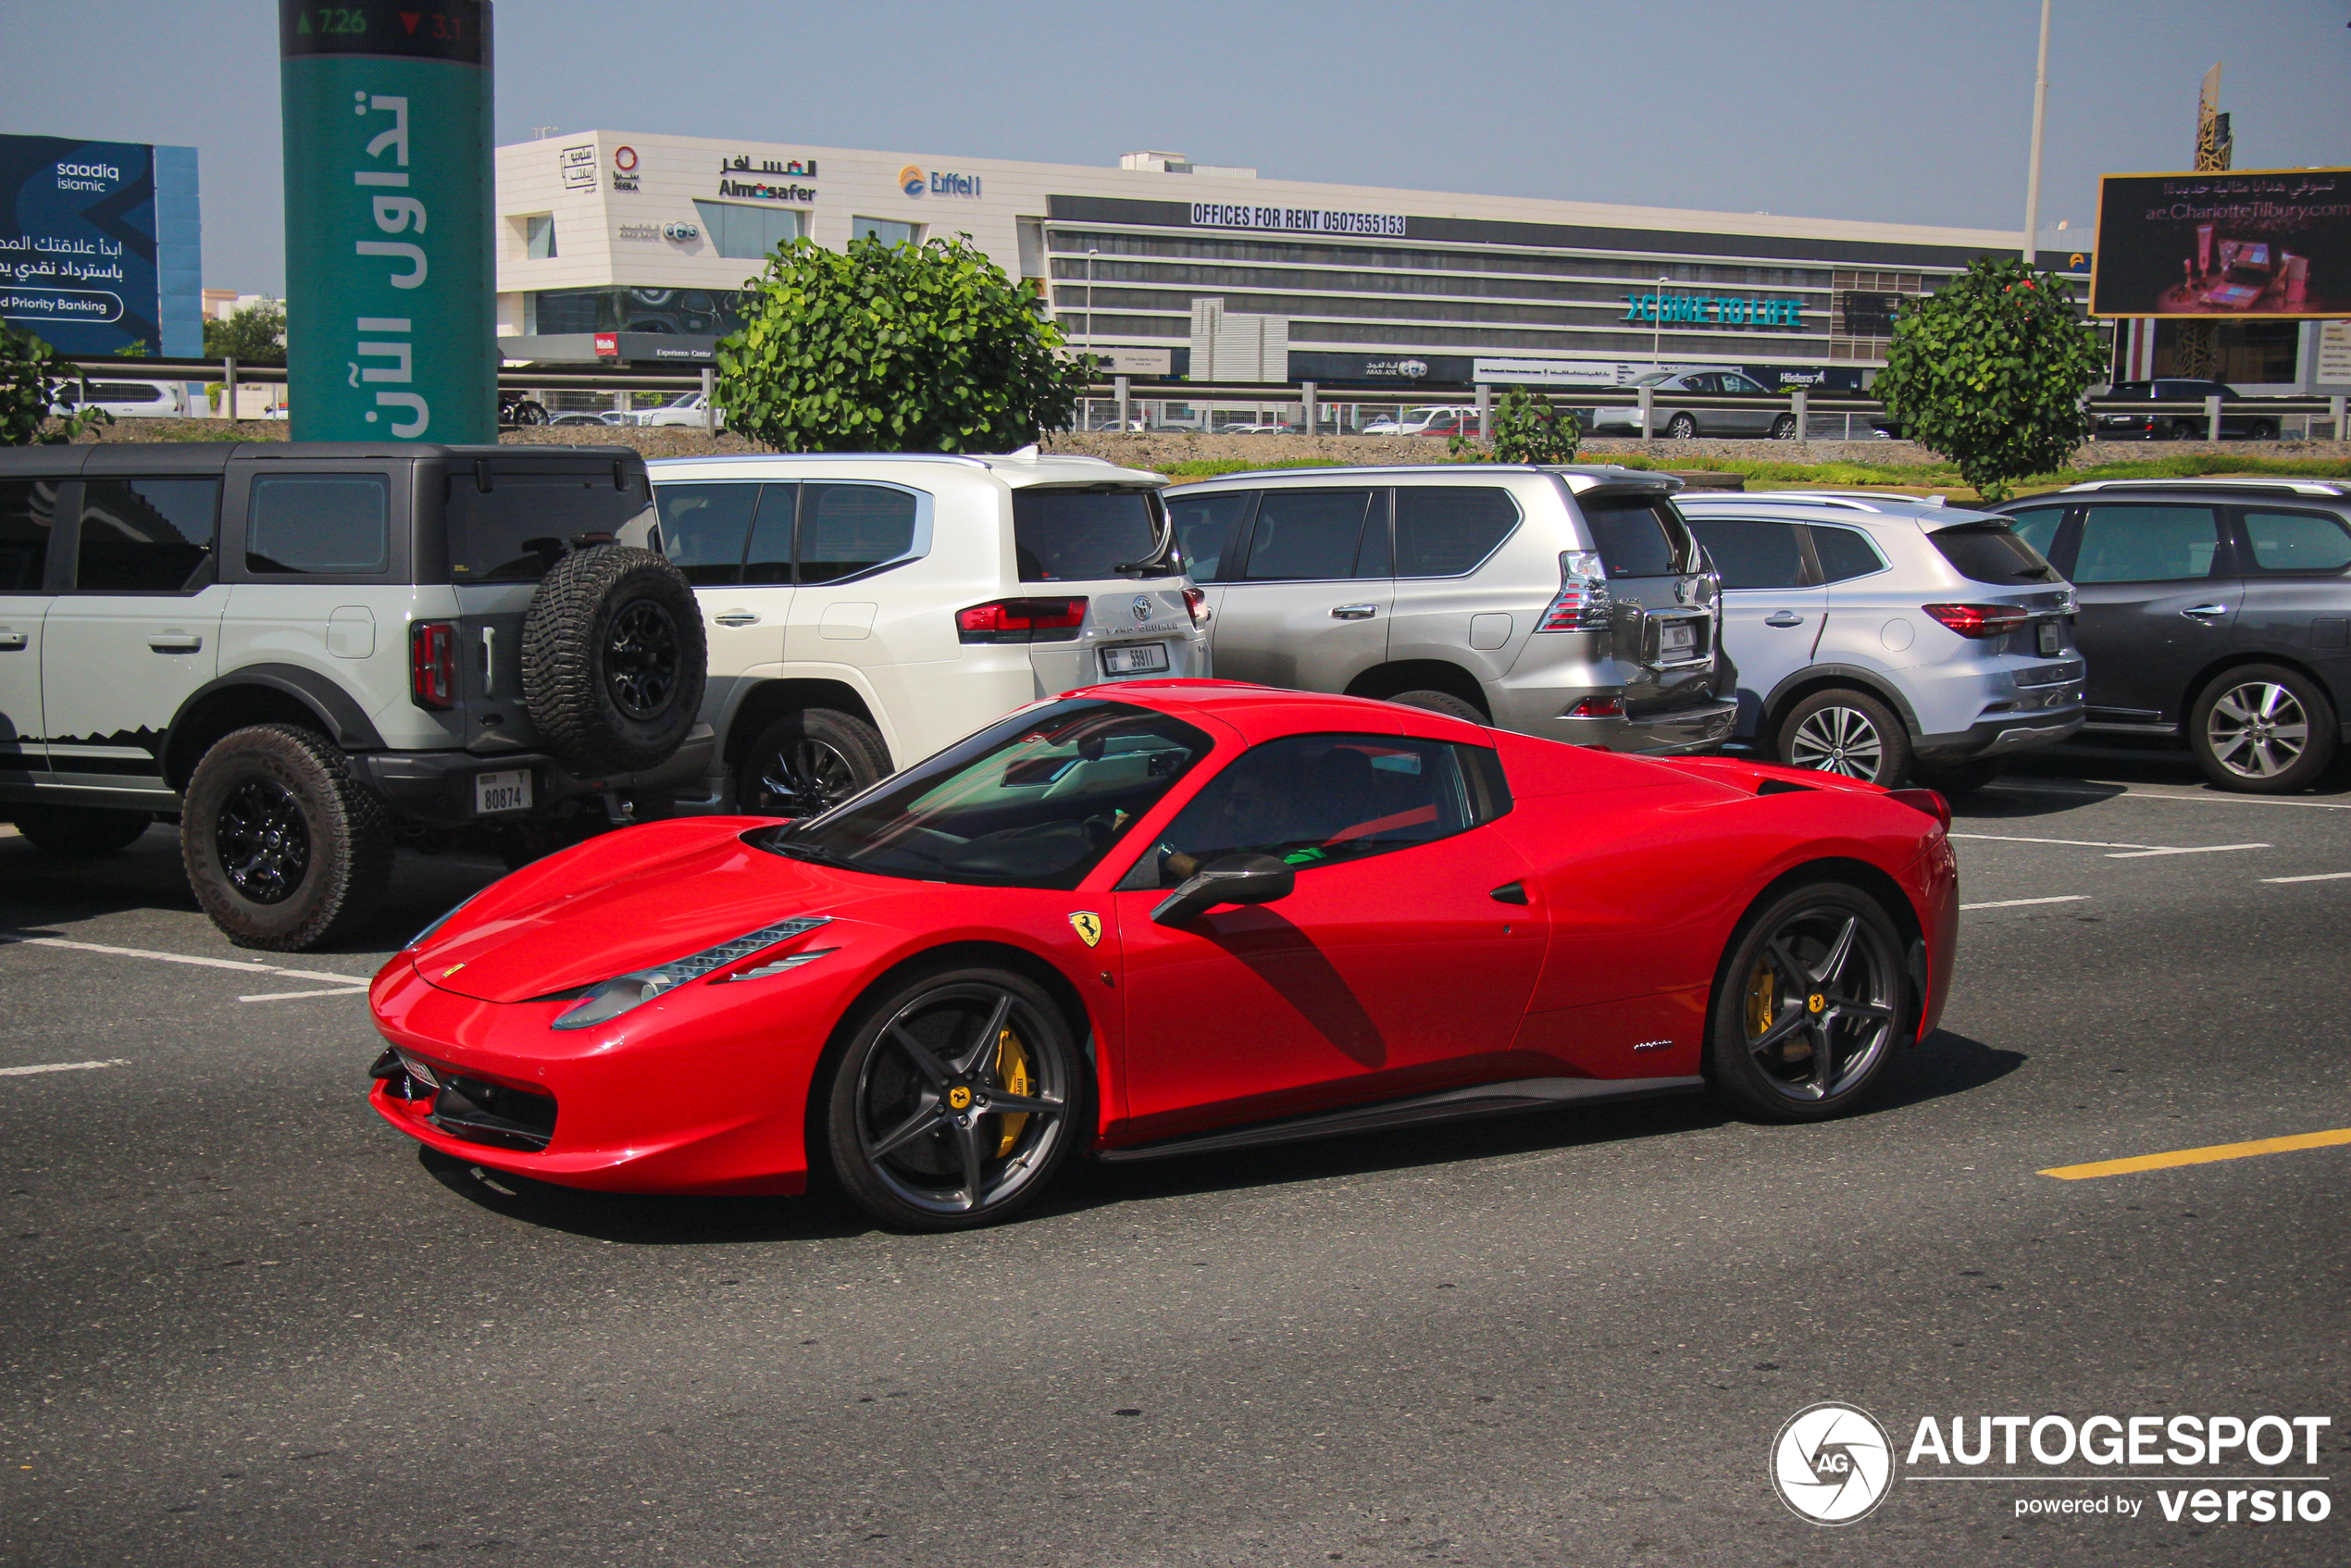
(2216, 612)
(1416, 421)
(124, 399)
(1167, 919)
(2244, 424)
(306, 651)
(867, 610)
(581, 418)
(1568, 602)
(686, 409)
(1883, 638)
(1770, 416)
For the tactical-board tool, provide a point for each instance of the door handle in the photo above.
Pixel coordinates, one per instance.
(175, 642)
(1509, 892)
(1354, 612)
(1784, 617)
(737, 617)
(2205, 612)
(12, 641)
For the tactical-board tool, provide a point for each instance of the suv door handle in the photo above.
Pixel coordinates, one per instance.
(1354, 612)
(175, 642)
(12, 641)
(1784, 617)
(736, 618)
(2205, 612)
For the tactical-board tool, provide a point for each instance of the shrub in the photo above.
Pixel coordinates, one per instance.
(31, 378)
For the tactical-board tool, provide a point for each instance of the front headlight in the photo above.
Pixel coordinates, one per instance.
(622, 992)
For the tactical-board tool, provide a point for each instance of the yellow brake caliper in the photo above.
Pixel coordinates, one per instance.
(1011, 1072)
(1762, 1001)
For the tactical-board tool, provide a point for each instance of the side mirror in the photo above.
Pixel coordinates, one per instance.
(1237, 879)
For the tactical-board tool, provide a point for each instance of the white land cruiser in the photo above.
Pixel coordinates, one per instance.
(308, 653)
(865, 611)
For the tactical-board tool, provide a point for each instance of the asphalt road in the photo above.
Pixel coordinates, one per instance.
(241, 1321)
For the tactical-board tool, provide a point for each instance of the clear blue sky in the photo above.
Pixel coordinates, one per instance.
(1917, 111)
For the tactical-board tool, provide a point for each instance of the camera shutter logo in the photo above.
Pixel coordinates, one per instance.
(1832, 1463)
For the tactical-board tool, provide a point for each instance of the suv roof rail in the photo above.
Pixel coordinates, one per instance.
(1853, 501)
(2280, 483)
(964, 458)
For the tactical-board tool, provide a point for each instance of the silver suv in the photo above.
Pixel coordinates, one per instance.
(1565, 602)
(1877, 637)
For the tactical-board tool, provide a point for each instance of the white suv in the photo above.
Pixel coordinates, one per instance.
(863, 610)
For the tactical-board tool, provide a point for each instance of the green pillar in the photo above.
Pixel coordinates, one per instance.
(390, 281)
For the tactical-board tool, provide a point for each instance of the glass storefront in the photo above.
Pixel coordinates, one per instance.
(698, 312)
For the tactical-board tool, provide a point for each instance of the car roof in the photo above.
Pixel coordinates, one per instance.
(2257, 485)
(1027, 467)
(1836, 506)
(189, 456)
(1578, 478)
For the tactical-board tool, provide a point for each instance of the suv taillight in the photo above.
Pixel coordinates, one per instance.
(432, 665)
(1582, 602)
(1021, 620)
(1978, 621)
(1196, 601)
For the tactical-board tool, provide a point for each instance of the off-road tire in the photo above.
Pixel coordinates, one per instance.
(613, 661)
(1441, 703)
(345, 849)
(80, 832)
(819, 756)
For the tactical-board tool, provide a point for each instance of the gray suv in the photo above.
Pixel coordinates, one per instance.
(1877, 637)
(1565, 602)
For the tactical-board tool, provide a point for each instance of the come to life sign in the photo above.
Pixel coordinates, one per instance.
(391, 292)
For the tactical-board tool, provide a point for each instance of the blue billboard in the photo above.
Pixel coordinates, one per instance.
(101, 245)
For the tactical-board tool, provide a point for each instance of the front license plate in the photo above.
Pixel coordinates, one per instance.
(2052, 637)
(494, 792)
(1140, 658)
(1677, 640)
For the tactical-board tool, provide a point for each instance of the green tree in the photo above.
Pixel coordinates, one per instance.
(31, 378)
(1528, 429)
(1989, 371)
(256, 335)
(894, 348)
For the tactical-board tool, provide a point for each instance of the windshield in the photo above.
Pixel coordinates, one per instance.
(1655, 378)
(1034, 800)
(1087, 535)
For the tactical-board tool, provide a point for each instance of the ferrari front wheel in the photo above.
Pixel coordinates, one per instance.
(1810, 1003)
(955, 1101)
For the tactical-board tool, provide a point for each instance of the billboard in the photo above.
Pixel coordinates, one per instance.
(2241, 244)
(100, 244)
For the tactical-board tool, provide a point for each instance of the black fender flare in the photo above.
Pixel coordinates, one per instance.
(340, 718)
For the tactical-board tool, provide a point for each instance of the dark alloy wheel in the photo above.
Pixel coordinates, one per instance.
(1809, 1004)
(1846, 732)
(641, 658)
(284, 847)
(1783, 428)
(808, 761)
(1682, 427)
(2264, 730)
(2262, 431)
(956, 1099)
(264, 844)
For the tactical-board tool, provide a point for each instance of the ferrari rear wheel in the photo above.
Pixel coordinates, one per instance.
(1810, 1004)
(955, 1101)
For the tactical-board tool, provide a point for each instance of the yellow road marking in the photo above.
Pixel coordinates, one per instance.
(2201, 1156)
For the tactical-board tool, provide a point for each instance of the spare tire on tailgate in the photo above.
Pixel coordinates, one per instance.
(613, 661)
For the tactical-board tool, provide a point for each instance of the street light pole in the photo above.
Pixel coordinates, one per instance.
(1091, 254)
(2040, 109)
(1657, 323)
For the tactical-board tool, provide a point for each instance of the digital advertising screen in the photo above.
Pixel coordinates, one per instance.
(2247, 243)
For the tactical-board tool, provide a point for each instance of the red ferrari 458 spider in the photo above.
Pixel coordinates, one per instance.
(1167, 917)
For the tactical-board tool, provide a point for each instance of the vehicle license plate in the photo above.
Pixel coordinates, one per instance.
(502, 791)
(1138, 658)
(2052, 637)
(1677, 640)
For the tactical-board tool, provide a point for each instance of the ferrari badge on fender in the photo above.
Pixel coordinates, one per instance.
(1088, 926)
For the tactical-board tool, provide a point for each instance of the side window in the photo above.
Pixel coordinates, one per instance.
(704, 528)
(2037, 527)
(1733, 382)
(848, 529)
(28, 517)
(768, 561)
(145, 536)
(1752, 553)
(2297, 542)
(1845, 553)
(324, 524)
(2147, 544)
(1307, 535)
(1317, 800)
(1204, 526)
(1639, 538)
(1444, 530)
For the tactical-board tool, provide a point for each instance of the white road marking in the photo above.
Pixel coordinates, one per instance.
(250, 968)
(2161, 795)
(288, 996)
(63, 1067)
(2019, 904)
(2200, 849)
(2076, 843)
(2321, 877)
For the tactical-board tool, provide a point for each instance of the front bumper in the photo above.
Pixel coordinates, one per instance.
(438, 787)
